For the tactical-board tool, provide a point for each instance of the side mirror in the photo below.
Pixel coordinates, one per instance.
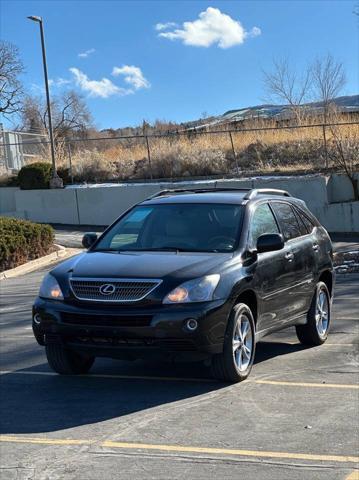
(269, 242)
(89, 239)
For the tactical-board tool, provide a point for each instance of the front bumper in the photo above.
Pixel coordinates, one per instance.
(128, 331)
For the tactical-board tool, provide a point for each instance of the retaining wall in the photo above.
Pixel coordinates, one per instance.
(101, 205)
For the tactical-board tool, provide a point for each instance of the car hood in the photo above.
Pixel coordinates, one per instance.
(142, 264)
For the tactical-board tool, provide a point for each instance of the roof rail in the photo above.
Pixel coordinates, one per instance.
(266, 191)
(161, 193)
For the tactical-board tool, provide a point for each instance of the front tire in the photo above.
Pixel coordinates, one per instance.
(235, 362)
(67, 362)
(315, 331)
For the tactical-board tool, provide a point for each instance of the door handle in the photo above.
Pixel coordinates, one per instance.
(289, 256)
(315, 247)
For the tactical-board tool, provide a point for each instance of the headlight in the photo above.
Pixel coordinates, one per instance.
(197, 290)
(50, 288)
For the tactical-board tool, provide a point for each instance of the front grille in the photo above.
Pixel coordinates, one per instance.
(112, 290)
(106, 320)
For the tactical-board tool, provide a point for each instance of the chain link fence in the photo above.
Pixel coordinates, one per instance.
(19, 148)
(183, 154)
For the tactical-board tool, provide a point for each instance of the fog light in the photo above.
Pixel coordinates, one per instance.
(37, 319)
(191, 324)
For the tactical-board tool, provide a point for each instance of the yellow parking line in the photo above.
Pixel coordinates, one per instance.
(227, 451)
(305, 384)
(44, 441)
(184, 449)
(353, 476)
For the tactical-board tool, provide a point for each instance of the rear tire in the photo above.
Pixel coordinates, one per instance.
(315, 331)
(235, 362)
(67, 362)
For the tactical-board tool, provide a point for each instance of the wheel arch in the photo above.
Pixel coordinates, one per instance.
(250, 299)
(327, 278)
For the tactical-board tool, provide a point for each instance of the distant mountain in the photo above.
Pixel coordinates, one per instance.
(347, 104)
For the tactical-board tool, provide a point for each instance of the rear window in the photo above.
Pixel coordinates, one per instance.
(287, 220)
(303, 228)
(308, 223)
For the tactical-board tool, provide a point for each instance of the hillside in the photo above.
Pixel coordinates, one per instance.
(346, 104)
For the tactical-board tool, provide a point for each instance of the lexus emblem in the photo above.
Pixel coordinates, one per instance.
(107, 289)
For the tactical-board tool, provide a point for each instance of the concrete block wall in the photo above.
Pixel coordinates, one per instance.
(340, 188)
(7, 200)
(101, 205)
(340, 217)
(48, 206)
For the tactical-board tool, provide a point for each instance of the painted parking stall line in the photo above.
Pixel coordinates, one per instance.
(306, 384)
(353, 475)
(182, 449)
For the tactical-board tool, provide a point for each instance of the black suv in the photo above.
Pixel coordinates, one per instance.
(201, 274)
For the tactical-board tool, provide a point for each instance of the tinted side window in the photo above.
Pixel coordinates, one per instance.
(263, 221)
(287, 220)
(302, 225)
(309, 225)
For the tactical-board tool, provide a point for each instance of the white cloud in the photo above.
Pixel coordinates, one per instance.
(87, 53)
(212, 27)
(255, 32)
(103, 88)
(164, 26)
(58, 82)
(53, 84)
(132, 75)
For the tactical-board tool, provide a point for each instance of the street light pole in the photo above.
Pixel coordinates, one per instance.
(55, 181)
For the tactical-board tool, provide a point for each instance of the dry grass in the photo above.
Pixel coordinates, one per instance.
(201, 154)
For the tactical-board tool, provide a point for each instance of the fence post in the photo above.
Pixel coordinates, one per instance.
(325, 146)
(149, 155)
(70, 162)
(234, 152)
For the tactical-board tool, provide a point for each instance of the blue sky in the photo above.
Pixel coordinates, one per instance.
(132, 70)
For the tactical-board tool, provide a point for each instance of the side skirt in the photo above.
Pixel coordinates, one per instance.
(299, 320)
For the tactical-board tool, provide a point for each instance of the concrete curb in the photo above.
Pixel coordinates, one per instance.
(61, 252)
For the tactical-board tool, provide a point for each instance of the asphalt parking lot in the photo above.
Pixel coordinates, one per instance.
(295, 418)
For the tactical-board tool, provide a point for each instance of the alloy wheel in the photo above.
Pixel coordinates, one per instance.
(322, 313)
(242, 342)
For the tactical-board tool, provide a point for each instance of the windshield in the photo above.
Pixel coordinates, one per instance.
(177, 227)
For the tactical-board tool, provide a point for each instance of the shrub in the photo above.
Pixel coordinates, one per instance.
(35, 176)
(21, 241)
(64, 173)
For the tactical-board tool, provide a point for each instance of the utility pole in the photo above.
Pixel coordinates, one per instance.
(55, 181)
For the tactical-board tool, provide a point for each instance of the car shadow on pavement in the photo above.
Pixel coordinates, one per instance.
(38, 403)
(268, 350)
(46, 403)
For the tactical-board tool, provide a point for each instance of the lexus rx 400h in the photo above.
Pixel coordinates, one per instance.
(199, 274)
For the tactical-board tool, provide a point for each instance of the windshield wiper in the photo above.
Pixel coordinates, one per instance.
(172, 249)
(107, 250)
(164, 249)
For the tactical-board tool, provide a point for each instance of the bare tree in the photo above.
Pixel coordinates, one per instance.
(344, 153)
(71, 116)
(328, 79)
(11, 68)
(283, 84)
